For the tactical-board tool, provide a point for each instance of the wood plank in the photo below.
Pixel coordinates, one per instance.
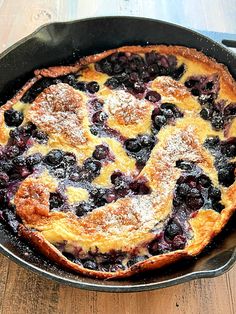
(199, 296)
(4, 267)
(26, 292)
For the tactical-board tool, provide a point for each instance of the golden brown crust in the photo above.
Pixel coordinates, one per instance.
(54, 255)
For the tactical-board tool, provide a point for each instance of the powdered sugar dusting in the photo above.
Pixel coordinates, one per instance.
(161, 169)
(125, 107)
(170, 88)
(59, 110)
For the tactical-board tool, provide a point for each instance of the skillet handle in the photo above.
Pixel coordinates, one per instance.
(226, 39)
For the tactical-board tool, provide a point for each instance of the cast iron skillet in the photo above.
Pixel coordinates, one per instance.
(62, 43)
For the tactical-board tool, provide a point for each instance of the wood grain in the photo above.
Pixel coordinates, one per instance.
(26, 292)
(22, 291)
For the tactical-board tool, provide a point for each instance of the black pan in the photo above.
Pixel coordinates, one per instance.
(63, 43)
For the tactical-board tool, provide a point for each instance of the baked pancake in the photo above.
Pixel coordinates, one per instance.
(122, 162)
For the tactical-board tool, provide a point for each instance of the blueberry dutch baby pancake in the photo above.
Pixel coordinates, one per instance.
(122, 162)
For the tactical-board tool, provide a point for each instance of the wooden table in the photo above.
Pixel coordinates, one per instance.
(24, 292)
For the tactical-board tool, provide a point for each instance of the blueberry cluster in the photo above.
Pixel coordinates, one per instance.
(217, 112)
(140, 148)
(71, 79)
(122, 186)
(163, 115)
(203, 87)
(12, 162)
(133, 71)
(15, 167)
(110, 262)
(13, 117)
(194, 190)
(99, 126)
(223, 151)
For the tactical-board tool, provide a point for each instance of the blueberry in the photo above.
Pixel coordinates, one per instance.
(96, 105)
(55, 200)
(208, 86)
(92, 165)
(139, 188)
(112, 83)
(6, 166)
(90, 265)
(178, 72)
(226, 175)
(54, 157)
(194, 192)
(212, 142)
(230, 110)
(19, 161)
(70, 79)
(214, 194)
(14, 133)
(13, 117)
(153, 96)
(217, 122)
(204, 181)
(170, 110)
(92, 87)
(132, 145)
(184, 164)
(75, 175)
(4, 199)
(11, 220)
(83, 208)
(69, 158)
(40, 136)
(28, 128)
(134, 76)
(101, 152)
(206, 113)
(136, 260)
(72, 258)
(99, 117)
(151, 57)
(33, 159)
(94, 129)
(194, 200)
(116, 177)
(117, 68)
(59, 173)
(195, 92)
(110, 197)
(228, 147)
(104, 66)
(191, 83)
(147, 140)
(12, 151)
(138, 87)
(183, 189)
(179, 242)
(3, 180)
(159, 121)
(80, 86)
(172, 230)
(218, 207)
